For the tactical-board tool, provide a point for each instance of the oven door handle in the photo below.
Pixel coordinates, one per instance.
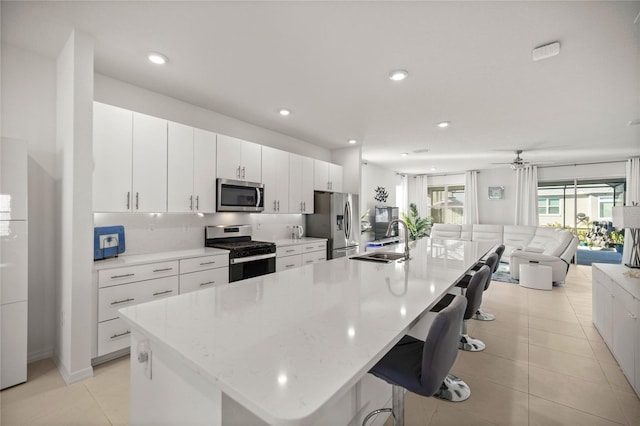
(251, 258)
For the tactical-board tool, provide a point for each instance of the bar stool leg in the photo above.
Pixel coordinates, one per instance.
(397, 402)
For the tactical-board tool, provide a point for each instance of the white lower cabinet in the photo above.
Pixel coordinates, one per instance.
(13, 347)
(125, 286)
(616, 308)
(294, 255)
(198, 280)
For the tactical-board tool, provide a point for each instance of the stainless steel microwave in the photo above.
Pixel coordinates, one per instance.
(239, 196)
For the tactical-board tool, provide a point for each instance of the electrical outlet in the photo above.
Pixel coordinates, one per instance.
(108, 241)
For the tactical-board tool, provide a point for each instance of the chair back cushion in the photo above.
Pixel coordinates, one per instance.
(441, 346)
(445, 231)
(492, 262)
(487, 233)
(516, 237)
(475, 288)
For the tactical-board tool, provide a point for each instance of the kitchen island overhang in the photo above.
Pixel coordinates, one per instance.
(289, 346)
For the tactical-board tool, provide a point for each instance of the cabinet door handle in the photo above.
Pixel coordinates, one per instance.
(208, 263)
(304, 206)
(163, 270)
(128, 200)
(274, 205)
(289, 251)
(159, 293)
(243, 174)
(115, 336)
(191, 203)
(121, 276)
(238, 172)
(290, 265)
(278, 205)
(207, 283)
(300, 205)
(197, 202)
(137, 199)
(309, 261)
(129, 299)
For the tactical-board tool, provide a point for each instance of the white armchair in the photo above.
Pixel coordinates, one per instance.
(552, 247)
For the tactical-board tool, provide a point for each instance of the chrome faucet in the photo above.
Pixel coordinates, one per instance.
(406, 236)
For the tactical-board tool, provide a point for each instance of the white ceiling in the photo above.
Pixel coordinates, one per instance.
(469, 63)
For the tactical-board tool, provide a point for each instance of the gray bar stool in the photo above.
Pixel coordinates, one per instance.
(485, 316)
(474, 299)
(423, 367)
(492, 261)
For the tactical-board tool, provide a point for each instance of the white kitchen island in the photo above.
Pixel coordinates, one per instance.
(288, 348)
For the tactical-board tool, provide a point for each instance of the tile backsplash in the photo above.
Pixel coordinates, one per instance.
(157, 232)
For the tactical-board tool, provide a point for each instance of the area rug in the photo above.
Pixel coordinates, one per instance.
(503, 274)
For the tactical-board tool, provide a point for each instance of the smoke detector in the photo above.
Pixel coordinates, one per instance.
(546, 51)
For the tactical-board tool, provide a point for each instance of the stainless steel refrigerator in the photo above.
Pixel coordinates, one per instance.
(337, 219)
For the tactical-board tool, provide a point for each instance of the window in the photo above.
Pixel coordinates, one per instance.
(605, 204)
(547, 206)
(446, 204)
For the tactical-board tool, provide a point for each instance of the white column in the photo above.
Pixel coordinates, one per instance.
(74, 136)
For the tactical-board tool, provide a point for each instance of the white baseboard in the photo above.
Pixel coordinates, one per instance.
(39, 355)
(74, 377)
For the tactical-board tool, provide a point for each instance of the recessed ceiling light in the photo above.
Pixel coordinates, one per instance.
(404, 154)
(157, 58)
(398, 75)
(284, 112)
(444, 124)
(352, 141)
(433, 169)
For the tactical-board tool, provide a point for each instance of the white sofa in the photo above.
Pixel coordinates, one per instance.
(523, 244)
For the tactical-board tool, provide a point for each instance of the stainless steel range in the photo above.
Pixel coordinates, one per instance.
(247, 258)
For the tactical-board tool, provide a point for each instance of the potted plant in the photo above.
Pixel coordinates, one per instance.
(416, 226)
(617, 240)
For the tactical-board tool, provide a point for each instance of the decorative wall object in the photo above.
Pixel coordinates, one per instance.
(496, 192)
(381, 194)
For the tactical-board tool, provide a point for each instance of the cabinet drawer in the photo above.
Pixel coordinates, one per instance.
(203, 279)
(288, 250)
(113, 335)
(128, 274)
(110, 299)
(204, 263)
(625, 299)
(313, 257)
(321, 246)
(288, 262)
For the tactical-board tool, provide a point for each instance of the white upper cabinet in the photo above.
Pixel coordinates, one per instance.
(180, 168)
(300, 184)
(130, 161)
(13, 178)
(204, 170)
(191, 169)
(275, 177)
(238, 159)
(112, 158)
(149, 177)
(327, 176)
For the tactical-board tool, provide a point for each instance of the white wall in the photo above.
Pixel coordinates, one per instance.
(29, 113)
(349, 159)
(124, 95)
(500, 212)
(582, 171)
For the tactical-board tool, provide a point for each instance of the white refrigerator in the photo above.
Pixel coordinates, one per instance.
(13, 262)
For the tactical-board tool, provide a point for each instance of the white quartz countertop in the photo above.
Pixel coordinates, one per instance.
(125, 260)
(295, 241)
(283, 345)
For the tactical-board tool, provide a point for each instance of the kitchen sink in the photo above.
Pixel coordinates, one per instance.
(381, 257)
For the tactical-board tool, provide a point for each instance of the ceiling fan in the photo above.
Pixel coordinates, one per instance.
(517, 163)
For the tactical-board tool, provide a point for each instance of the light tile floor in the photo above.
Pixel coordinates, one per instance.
(545, 364)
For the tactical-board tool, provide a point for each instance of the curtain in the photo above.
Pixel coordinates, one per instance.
(633, 195)
(527, 196)
(422, 201)
(470, 214)
(402, 195)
